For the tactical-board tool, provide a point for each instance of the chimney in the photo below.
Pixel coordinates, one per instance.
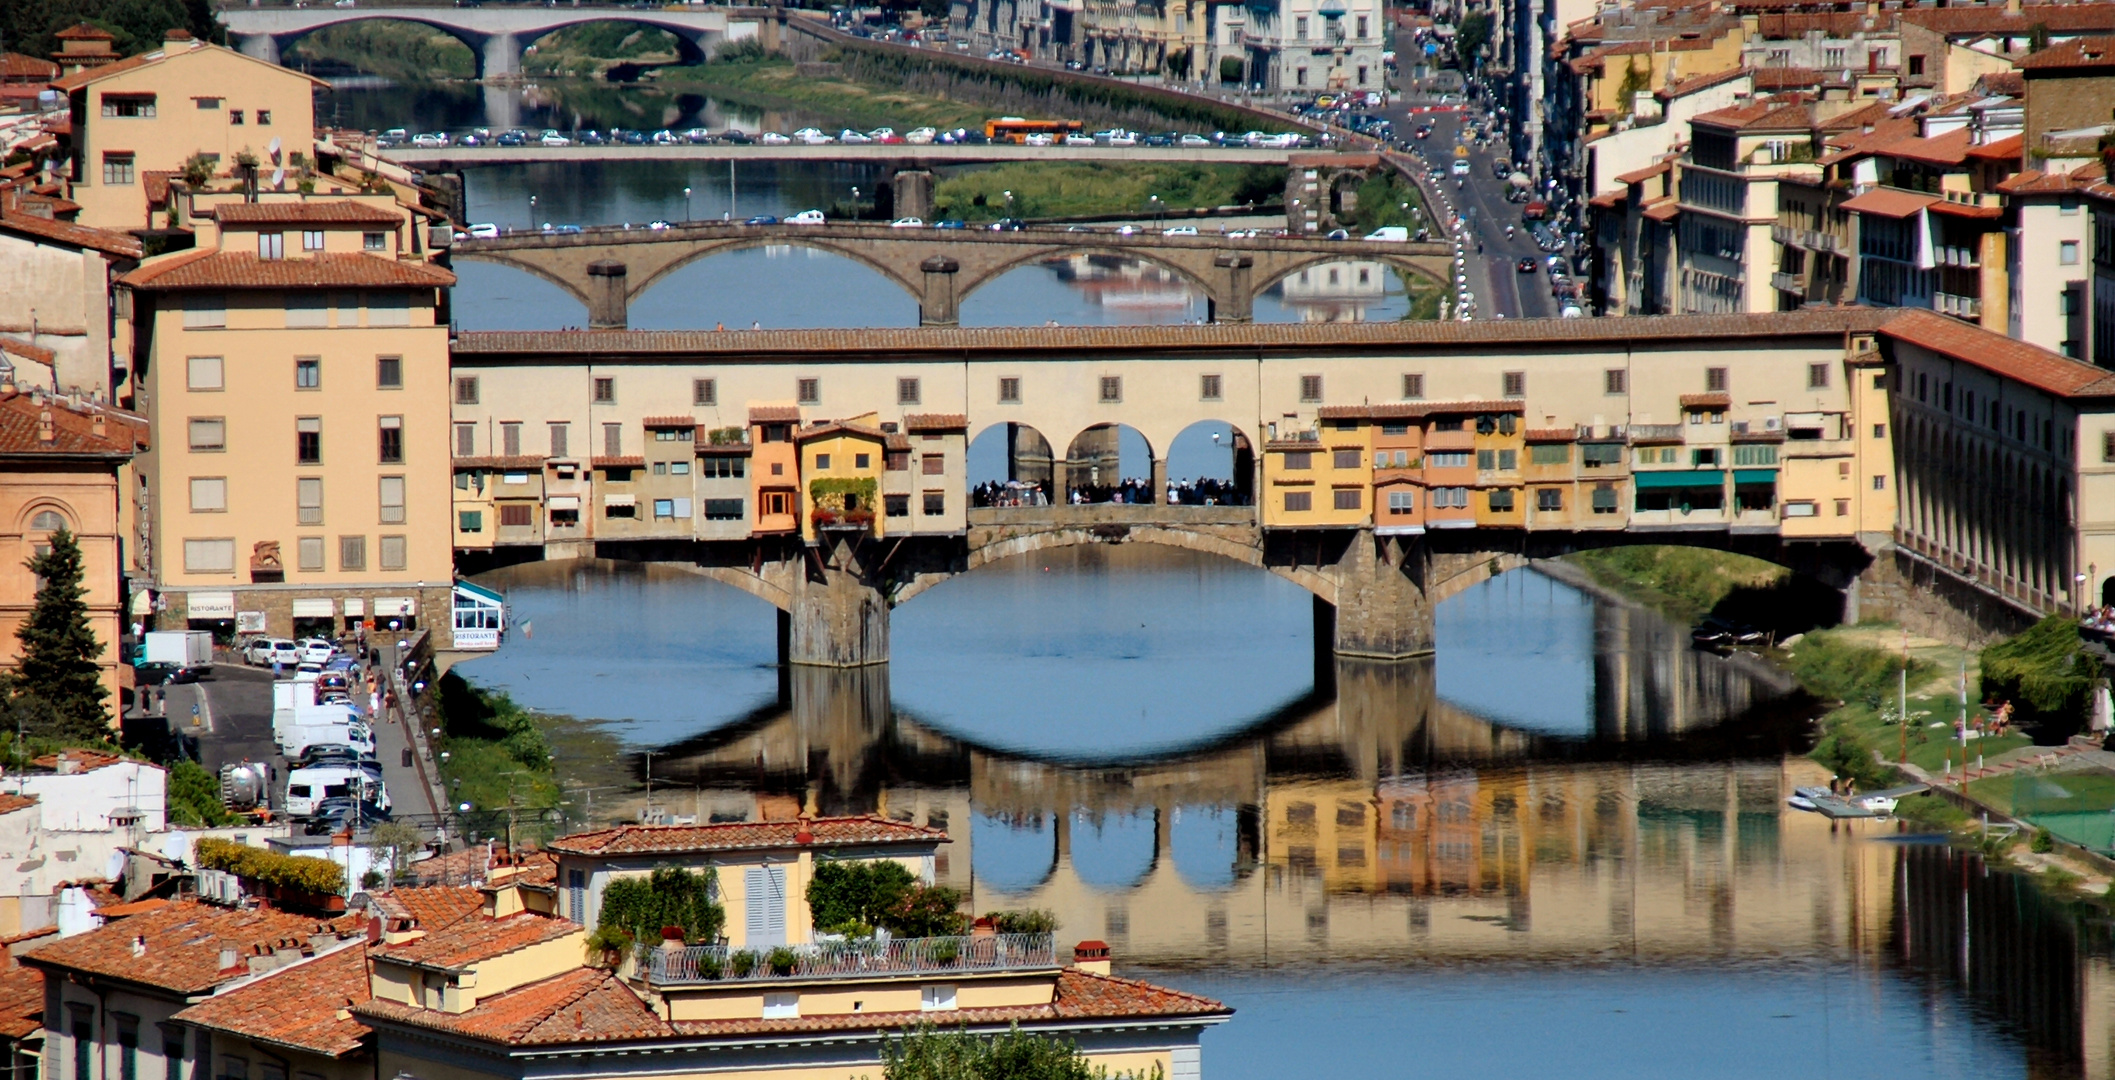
(229, 958)
(48, 434)
(139, 945)
(1091, 957)
(802, 834)
(2012, 7)
(178, 40)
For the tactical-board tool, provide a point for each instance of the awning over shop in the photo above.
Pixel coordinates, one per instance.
(322, 608)
(1755, 476)
(1684, 479)
(620, 500)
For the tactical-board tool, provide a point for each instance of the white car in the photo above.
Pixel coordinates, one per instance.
(429, 141)
(907, 223)
(483, 230)
(317, 651)
(883, 134)
(920, 136)
(811, 136)
(1123, 138)
(853, 138)
(552, 138)
(807, 217)
(1179, 230)
(1077, 139)
(1038, 138)
(1395, 234)
(773, 138)
(1192, 142)
(264, 650)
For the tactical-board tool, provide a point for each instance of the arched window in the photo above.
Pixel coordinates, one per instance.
(47, 521)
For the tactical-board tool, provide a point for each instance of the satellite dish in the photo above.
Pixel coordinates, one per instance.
(278, 178)
(273, 150)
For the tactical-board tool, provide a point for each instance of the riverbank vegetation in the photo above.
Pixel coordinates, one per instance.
(1087, 188)
(751, 77)
(497, 758)
(404, 52)
(1680, 582)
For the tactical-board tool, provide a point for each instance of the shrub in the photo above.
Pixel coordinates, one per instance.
(318, 876)
(781, 961)
(929, 1053)
(927, 911)
(847, 897)
(1032, 921)
(2043, 842)
(740, 964)
(2045, 669)
(194, 796)
(639, 908)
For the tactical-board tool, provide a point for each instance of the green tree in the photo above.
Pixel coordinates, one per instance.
(637, 909)
(927, 911)
(847, 897)
(392, 843)
(135, 25)
(927, 1053)
(194, 796)
(1470, 37)
(59, 650)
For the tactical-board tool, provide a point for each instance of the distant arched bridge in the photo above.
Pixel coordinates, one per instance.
(607, 268)
(495, 35)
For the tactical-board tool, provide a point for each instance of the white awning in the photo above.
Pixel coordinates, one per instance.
(386, 606)
(355, 605)
(563, 502)
(620, 500)
(209, 605)
(322, 608)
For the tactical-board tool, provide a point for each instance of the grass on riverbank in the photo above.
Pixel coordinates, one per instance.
(1680, 582)
(773, 82)
(1080, 188)
(497, 756)
(401, 51)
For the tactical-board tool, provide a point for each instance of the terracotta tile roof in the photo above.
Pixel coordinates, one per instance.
(774, 414)
(1128, 339)
(935, 422)
(1639, 176)
(1786, 78)
(1993, 19)
(2036, 182)
(85, 32)
(27, 68)
(1760, 116)
(2006, 149)
(1888, 202)
(213, 269)
(85, 76)
(27, 351)
(21, 1001)
(589, 1005)
(1707, 401)
(80, 236)
(670, 422)
(838, 427)
(464, 943)
(1862, 116)
(81, 760)
(2077, 53)
(1948, 149)
(299, 1007)
(501, 461)
(1694, 83)
(73, 432)
(633, 461)
(471, 865)
(11, 802)
(303, 212)
(429, 907)
(1552, 435)
(1950, 208)
(136, 907)
(1999, 354)
(1666, 209)
(183, 944)
(156, 183)
(826, 832)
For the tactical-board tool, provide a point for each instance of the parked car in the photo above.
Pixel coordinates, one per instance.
(155, 673)
(950, 223)
(762, 219)
(1526, 265)
(552, 138)
(773, 138)
(1179, 230)
(698, 136)
(733, 137)
(317, 651)
(263, 651)
(665, 137)
(907, 223)
(483, 230)
(1193, 142)
(811, 136)
(852, 138)
(920, 136)
(807, 217)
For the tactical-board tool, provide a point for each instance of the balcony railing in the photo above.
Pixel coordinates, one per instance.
(1795, 284)
(862, 959)
(1964, 307)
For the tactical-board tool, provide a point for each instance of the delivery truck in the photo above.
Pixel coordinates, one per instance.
(180, 648)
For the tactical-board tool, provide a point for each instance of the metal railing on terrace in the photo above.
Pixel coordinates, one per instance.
(865, 958)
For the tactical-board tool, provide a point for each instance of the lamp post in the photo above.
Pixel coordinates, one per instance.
(855, 203)
(1009, 203)
(532, 213)
(686, 203)
(1159, 212)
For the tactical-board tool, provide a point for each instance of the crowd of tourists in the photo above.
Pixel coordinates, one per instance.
(1204, 491)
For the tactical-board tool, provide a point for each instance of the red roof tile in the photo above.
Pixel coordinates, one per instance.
(1694, 83)
(63, 232)
(1786, 78)
(156, 183)
(2006, 149)
(85, 32)
(1999, 354)
(303, 212)
(471, 865)
(774, 414)
(1411, 410)
(183, 944)
(2077, 53)
(1552, 435)
(669, 422)
(298, 1007)
(826, 832)
(1888, 202)
(430, 907)
(11, 802)
(1948, 149)
(21, 1001)
(1760, 116)
(1639, 176)
(213, 269)
(1707, 401)
(1994, 19)
(73, 432)
(632, 461)
(27, 351)
(467, 942)
(27, 68)
(1666, 209)
(935, 422)
(838, 427)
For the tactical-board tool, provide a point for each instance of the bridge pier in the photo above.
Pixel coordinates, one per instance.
(939, 305)
(837, 619)
(264, 47)
(499, 57)
(914, 193)
(608, 305)
(1382, 611)
(1235, 302)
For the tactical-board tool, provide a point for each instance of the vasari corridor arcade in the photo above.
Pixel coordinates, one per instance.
(1380, 467)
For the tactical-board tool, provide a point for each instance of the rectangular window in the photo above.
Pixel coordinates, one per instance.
(1817, 376)
(1879, 483)
(2067, 253)
(1843, 508)
(1486, 460)
(1604, 498)
(1754, 455)
(271, 245)
(117, 169)
(352, 553)
(374, 241)
(723, 510)
(808, 391)
(308, 373)
(1010, 391)
(264, 117)
(234, 117)
(1413, 386)
(862, 461)
(1549, 499)
(613, 440)
(906, 391)
(1297, 501)
(510, 438)
(1550, 454)
(1600, 455)
(935, 503)
(1715, 380)
(516, 515)
(896, 461)
(312, 239)
(896, 505)
(392, 499)
(1508, 460)
(1879, 431)
(822, 461)
(704, 392)
(1346, 498)
(1344, 459)
(1615, 381)
(205, 373)
(470, 521)
(1448, 459)
(1112, 388)
(605, 390)
(392, 552)
(1310, 388)
(934, 464)
(209, 494)
(466, 390)
(308, 500)
(306, 312)
(205, 311)
(208, 433)
(308, 440)
(1514, 384)
(465, 440)
(1501, 500)
(1300, 28)
(1299, 459)
(389, 373)
(1402, 502)
(561, 435)
(309, 552)
(664, 508)
(1208, 388)
(216, 556)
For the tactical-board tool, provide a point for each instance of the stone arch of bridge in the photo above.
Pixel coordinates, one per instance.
(907, 280)
(531, 267)
(690, 41)
(471, 39)
(1279, 271)
(1165, 535)
(968, 283)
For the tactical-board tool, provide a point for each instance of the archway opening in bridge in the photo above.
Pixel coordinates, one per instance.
(1009, 465)
(577, 50)
(1348, 290)
(1086, 289)
(398, 49)
(773, 287)
(1212, 462)
(488, 296)
(1110, 463)
(1113, 850)
(1013, 852)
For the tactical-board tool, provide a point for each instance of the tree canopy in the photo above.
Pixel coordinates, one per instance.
(137, 25)
(57, 687)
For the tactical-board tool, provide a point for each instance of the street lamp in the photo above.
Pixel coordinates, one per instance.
(686, 203)
(532, 213)
(1159, 213)
(1009, 203)
(855, 202)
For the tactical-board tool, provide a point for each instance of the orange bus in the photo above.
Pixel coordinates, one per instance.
(1013, 129)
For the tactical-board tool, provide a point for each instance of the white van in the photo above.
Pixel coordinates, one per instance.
(806, 217)
(304, 739)
(307, 788)
(1396, 234)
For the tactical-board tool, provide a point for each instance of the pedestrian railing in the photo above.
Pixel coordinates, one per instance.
(863, 958)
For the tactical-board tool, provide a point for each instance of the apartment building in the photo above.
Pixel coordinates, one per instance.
(1727, 191)
(1310, 46)
(137, 121)
(55, 290)
(296, 364)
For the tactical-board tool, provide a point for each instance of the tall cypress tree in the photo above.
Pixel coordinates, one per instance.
(59, 651)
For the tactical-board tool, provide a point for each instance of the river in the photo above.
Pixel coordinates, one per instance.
(1560, 847)
(778, 287)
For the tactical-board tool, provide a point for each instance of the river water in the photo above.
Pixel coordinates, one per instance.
(770, 287)
(1558, 848)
